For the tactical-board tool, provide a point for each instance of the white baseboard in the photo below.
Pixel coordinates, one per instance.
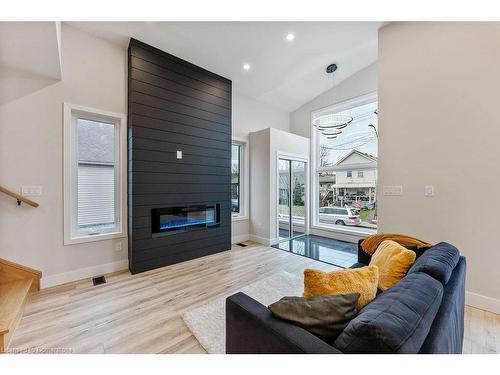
(273, 241)
(482, 302)
(240, 238)
(262, 240)
(83, 273)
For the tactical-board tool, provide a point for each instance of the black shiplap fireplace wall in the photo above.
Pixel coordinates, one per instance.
(173, 106)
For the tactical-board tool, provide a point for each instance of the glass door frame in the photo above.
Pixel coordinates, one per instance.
(299, 158)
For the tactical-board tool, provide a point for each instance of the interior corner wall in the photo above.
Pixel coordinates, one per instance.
(265, 145)
(31, 153)
(293, 145)
(360, 83)
(260, 143)
(250, 116)
(439, 89)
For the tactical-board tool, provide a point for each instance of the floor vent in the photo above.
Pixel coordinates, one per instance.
(242, 244)
(99, 280)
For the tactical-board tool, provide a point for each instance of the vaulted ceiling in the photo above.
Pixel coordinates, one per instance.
(30, 57)
(283, 73)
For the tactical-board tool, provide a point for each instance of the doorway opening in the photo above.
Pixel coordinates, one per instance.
(292, 212)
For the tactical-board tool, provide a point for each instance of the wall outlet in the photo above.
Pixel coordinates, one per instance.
(393, 190)
(429, 191)
(31, 191)
(179, 154)
(118, 246)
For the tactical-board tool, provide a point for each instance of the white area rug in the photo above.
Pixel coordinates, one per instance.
(208, 322)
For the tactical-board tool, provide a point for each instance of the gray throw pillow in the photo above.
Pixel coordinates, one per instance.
(323, 316)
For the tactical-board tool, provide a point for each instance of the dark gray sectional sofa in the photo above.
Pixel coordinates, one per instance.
(423, 313)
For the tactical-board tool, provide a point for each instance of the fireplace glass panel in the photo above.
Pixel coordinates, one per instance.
(182, 218)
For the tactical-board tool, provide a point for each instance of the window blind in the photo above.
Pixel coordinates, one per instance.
(96, 194)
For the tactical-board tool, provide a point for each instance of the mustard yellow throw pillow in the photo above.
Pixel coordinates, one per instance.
(362, 280)
(393, 261)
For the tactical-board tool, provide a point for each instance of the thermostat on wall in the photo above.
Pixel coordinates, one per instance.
(179, 154)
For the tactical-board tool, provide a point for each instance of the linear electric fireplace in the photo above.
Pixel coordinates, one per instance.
(171, 220)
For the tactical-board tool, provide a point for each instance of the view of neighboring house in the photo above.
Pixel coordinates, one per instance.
(355, 186)
(298, 185)
(96, 175)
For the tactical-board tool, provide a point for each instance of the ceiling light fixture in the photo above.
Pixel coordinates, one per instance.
(290, 37)
(246, 66)
(331, 124)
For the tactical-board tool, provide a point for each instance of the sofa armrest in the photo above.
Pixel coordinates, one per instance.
(252, 329)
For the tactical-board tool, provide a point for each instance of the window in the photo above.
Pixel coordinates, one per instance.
(235, 178)
(238, 179)
(94, 174)
(339, 153)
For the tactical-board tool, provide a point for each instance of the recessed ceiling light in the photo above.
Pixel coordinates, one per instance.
(246, 66)
(290, 37)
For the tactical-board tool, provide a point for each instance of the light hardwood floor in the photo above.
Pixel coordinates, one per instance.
(142, 313)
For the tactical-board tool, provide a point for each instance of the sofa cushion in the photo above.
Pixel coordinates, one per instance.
(362, 280)
(393, 262)
(438, 262)
(323, 316)
(397, 321)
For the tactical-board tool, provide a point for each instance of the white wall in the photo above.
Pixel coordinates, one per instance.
(259, 185)
(31, 149)
(439, 93)
(250, 116)
(361, 83)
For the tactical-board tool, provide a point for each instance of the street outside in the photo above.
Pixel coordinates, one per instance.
(366, 216)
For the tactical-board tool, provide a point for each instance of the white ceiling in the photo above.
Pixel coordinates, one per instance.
(31, 47)
(29, 58)
(283, 74)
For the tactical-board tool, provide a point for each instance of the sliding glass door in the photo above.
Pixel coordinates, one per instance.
(291, 198)
(284, 206)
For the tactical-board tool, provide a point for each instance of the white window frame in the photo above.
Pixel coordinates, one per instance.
(315, 169)
(71, 113)
(244, 180)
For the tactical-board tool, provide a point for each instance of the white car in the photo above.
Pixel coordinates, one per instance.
(339, 216)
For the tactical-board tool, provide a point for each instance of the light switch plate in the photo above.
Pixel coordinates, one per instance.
(429, 191)
(393, 190)
(31, 191)
(179, 154)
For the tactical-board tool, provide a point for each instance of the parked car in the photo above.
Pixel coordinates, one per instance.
(339, 215)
